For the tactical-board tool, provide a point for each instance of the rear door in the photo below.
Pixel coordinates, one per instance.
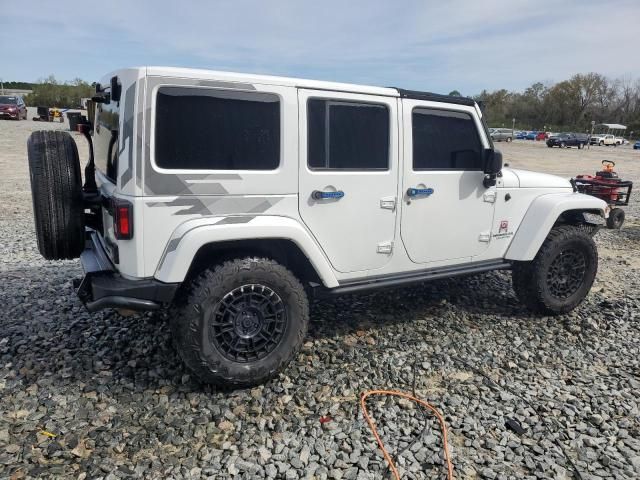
(348, 175)
(446, 211)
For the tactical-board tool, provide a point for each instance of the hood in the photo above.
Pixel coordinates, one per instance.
(529, 179)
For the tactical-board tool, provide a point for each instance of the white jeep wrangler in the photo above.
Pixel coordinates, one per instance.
(233, 198)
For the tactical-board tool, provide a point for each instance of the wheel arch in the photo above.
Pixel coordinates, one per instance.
(544, 213)
(197, 246)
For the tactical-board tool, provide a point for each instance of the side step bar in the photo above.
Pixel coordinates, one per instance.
(391, 281)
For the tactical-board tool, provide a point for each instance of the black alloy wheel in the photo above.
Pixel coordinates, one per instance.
(566, 273)
(248, 323)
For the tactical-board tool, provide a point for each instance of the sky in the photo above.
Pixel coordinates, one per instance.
(424, 45)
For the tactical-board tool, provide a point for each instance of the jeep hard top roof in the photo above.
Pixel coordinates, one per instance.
(202, 74)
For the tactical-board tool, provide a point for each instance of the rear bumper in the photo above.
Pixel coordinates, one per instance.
(103, 287)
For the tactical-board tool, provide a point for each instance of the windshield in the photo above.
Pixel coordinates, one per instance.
(9, 100)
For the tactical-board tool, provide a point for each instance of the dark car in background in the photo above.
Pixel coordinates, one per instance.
(566, 140)
(636, 146)
(12, 107)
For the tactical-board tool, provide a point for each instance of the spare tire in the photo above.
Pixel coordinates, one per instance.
(56, 189)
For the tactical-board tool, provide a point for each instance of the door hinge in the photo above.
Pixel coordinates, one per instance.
(388, 203)
(485, 237)
(385, 247)
(490, 196)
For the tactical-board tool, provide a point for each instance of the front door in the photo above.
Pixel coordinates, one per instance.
(349, 175)
(446, 211)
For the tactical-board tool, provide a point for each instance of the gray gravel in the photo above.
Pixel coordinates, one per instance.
(121, 405)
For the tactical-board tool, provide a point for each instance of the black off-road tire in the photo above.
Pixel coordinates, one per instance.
(56, 190)
(534, 281)
(616, 219)
(199, 306)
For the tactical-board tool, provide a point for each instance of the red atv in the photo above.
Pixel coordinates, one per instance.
(608, 187)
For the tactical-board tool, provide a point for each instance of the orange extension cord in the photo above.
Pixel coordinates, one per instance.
(387, 457)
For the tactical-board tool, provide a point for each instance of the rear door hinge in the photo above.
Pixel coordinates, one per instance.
(388, 203)
(385, 247)
(490, 196)
(484, 237)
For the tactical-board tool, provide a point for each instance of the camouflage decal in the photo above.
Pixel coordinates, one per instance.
(218, 205)
(234, 220)
(174, 242)
(127, 134)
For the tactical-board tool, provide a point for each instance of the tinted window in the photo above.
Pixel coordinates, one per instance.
(106, 138)
(217, 129)
(445, 140)
(347, 135)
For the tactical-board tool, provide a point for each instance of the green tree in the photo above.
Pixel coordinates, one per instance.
(49, 92)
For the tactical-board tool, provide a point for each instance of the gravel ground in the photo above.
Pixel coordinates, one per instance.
(121, 405)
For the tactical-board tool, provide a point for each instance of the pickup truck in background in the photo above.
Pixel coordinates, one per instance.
(604, 139)
(566, 140)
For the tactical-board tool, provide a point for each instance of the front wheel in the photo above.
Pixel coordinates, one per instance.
(562, 145)
(241, 322)
(560, 276)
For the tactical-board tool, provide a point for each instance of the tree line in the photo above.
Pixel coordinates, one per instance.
(570, 105)
(51, 93)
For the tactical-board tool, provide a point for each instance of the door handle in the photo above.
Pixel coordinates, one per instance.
(320, 195)
(414, 192)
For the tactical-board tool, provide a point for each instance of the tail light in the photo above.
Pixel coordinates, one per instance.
(123, 219)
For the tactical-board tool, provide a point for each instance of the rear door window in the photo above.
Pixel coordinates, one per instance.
(209, 129)
(345, 135)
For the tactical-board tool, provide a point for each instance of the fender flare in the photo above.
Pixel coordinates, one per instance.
(542, 215)
(189, 237)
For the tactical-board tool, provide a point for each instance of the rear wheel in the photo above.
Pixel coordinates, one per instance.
(616, 219)
(509, 139)
(56, 190)
(241, 322)
(560, 276)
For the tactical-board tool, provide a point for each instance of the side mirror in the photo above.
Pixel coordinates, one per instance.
(492, 166)
(493, 162)
(116, 89)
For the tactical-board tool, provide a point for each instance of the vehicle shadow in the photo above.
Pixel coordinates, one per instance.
(488, 293)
